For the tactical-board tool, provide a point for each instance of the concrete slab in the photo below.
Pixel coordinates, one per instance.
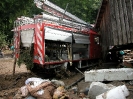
(109, 74)
(120, 92)
(97, 88)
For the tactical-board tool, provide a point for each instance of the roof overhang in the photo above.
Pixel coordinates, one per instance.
(100, 13)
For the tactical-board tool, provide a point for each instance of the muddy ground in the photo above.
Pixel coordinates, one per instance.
(9, 84)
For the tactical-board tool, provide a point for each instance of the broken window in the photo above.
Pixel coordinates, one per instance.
(96, 39)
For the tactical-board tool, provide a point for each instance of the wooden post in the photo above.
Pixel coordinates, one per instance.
(14, 65)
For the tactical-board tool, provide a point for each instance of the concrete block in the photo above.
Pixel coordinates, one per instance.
(120, 92)
(97, 88)
(109, 74)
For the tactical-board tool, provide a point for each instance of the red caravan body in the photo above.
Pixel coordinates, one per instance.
(57, 41)
(93, 48)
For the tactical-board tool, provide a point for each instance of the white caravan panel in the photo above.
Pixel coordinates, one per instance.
(57, 35)
(27, 37)
(81, 39)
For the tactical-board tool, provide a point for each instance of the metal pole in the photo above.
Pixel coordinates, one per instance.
(79, 71)
(75, 83)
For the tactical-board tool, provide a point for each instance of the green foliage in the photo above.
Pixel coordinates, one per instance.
(3, 41)
(85, 9)
(10, 10)
(26, 58)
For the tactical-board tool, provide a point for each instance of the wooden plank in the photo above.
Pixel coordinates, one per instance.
(109, 36)
(129, 5)
(101, 32)
(127, 33)
(104, 35)
(113, 22)
(104, 46)
(123, 29)
(131, 2)
(105, 29)
(119, 35)
(110, 27)
(107, 25)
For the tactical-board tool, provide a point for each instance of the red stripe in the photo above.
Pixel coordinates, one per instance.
(17, 42)
(39, 45)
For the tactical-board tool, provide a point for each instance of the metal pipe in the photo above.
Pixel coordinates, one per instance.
(75, 83)
(79, 71)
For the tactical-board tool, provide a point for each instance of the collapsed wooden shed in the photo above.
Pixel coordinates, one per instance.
(115, 22)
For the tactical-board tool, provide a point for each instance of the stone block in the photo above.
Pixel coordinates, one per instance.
(109, 74)
(97, 88)
(120, 92)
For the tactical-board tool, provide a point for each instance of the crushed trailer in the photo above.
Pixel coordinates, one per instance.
(57, 39)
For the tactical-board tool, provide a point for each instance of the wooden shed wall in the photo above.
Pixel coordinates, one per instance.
(115, 22)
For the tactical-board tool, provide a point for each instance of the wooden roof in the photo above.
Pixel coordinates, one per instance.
(100, 13)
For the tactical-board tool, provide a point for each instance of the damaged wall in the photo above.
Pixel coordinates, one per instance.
(115, 22)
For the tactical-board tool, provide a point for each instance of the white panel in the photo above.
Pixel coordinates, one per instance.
(76, 57)
(27, 37)
(57, 35)
(120, 92)
(81, 39)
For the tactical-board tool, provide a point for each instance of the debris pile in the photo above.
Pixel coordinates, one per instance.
(37, 88)
(97, 88)
(120, 92)
(128, 56)
(100, 90)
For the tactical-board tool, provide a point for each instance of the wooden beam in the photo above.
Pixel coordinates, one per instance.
(113, 22)
(118, 25)
(110, 27)
(106, 27)
(127, 33)
(121, 16)
(129, 5)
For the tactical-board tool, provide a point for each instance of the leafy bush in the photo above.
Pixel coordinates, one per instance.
(3, 40)
(26, 57)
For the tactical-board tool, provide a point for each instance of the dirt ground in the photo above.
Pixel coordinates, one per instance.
(9, 84)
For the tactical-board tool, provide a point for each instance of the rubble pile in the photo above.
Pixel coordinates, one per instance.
(100, 90)
(128, 59)
(128, 56)
(37, 88)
